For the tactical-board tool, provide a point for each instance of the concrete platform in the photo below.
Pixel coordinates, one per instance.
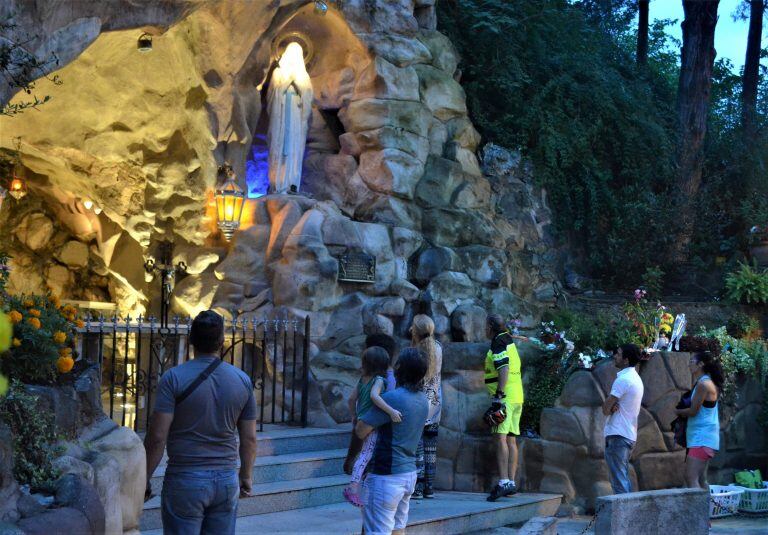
(448, 513)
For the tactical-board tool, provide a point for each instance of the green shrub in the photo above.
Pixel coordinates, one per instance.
(653, 280)
(747, 285)
(741, 325)
(545, 384)
(33, 438)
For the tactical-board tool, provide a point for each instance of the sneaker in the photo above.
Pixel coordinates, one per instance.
(510, 489)
(429, 492)
(497, 492)
(418, 493)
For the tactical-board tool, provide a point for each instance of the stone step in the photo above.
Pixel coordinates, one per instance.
(448, 513)
(270, 497)
(288, 467)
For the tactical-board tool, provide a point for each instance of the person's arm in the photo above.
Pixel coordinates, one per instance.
(395, 415)
(503, 377)
(698, 399)
(154, 441)
(247, 432)
(610, 405)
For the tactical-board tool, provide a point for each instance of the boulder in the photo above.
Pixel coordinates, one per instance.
(404, 289)
(605, 372)
(35, 231)
(441, 177)
(592, 423)
(485, 265)
(660, 470)
(389, 137)
(396, 49)
(557, 481)
(468, 323)
(463, 133)
(656, 380)
(58, 279)
(71, 465)
(74, 491)
(582, 390)
(448, 289)
(106, 475)
(464, 355)
(443, 95)
(649, 440)
(66, 520)
(127, 449)
(458, 228)
(677, 365)
(444, 54)
(371, 113)
(382, 79)
(405, 241)
(74, 254)
(663, 410)
(433, 261)
(561, 425)
(391, 171)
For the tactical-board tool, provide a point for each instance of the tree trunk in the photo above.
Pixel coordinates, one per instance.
(693, 92)
(642, 32)
(752, 69)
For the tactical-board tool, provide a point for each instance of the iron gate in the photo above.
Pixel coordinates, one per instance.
(133, 354)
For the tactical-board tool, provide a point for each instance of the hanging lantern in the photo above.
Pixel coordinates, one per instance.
(18, 188)
(229, 203)
(144, 43)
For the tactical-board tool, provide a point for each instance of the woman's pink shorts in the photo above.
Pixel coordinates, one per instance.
(702, 453)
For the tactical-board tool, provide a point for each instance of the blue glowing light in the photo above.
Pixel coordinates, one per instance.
(257, 171)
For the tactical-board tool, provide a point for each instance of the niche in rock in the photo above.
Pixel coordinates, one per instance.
(257, 164)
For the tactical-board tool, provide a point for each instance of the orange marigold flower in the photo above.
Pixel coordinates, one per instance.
(71, 317)
(59, 337)
(34, 312)
(16, 342)
(29, 303)
(65, 364)
(79, 324)
(15, 316)
(34, 322)
(65, 351)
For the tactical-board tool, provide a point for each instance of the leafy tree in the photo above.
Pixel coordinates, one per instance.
(20, 69)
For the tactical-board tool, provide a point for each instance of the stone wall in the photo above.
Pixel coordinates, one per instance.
(568, 459)
(102, 468)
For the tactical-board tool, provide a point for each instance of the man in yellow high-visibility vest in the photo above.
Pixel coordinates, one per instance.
(504, 382)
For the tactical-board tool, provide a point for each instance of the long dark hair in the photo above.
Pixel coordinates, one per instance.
(711, 366)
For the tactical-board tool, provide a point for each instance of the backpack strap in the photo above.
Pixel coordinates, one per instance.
(198, 380)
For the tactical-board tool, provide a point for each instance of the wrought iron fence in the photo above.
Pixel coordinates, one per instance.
(134, 353)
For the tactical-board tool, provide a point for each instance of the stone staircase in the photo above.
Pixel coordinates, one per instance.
(298, 480)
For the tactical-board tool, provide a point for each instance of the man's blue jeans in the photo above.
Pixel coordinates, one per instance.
(617, 452)
(201, 501)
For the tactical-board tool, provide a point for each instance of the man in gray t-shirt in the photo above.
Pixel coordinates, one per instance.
(200, 406)
(392, 469)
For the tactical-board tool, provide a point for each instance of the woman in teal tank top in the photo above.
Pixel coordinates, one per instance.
(703, 428)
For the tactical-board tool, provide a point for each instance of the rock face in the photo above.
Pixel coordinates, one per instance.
(568, 458)
(391, 170)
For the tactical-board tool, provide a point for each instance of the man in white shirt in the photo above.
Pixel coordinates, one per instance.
(622, 408)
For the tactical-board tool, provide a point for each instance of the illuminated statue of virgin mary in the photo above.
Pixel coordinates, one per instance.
(290, 106)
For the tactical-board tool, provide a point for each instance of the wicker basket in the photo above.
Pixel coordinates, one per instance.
(753, 500)
(724, 500)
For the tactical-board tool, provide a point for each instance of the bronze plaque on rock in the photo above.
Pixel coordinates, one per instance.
(357, 267)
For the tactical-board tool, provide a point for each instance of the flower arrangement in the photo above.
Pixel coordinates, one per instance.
(42, 340)
(648, 321)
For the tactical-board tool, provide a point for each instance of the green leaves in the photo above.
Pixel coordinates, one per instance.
(747, 285)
